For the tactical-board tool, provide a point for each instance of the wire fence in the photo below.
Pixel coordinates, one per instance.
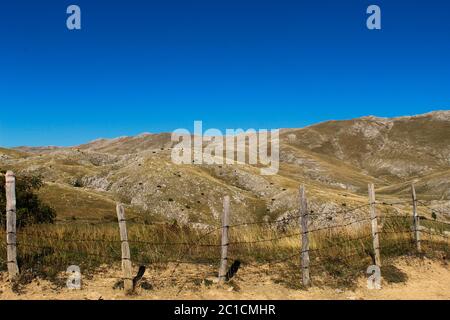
(262, 244)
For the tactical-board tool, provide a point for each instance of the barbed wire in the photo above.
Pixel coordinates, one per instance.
(46, 236)
(395, 231)
(42, 247)
(189, 243)
(298, 254)
(185, 252)
(310, 213)
(64, 239)
(395, 216)
(392, 203)
(299, 233)
(353, 209)
(196, 244)
(265, 240)
(434, 220)
(141, 259)
(117, 256)
(172, 261)
(339, 226)
(192, 244)
(120, 241)
(269, 262)
(282, 220)
(434, 243)
(434, 234)
(342, 242)
(320, 262)
(433, 209)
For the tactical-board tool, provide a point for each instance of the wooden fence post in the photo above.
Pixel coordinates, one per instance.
(126, 258)
(304, 215)
(10, 188)
(225, 242)
(374, 220)
(416, 218)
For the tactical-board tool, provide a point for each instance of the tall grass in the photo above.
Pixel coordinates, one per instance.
(339, 253)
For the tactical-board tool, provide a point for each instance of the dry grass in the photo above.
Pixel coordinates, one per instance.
(338, 256)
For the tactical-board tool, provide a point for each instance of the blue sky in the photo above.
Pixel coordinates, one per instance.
(153, 66)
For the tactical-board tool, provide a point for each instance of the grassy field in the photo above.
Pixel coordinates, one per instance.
(338, 255)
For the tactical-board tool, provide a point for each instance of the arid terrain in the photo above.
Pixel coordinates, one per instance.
(416, 279)
(335, 160)
(172, 210)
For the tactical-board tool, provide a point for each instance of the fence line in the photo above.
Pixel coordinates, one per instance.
(225, 243)
(416, 218)
(125, 249)
(10, 189)
(303, 236)
(374, 225)
(303, 203)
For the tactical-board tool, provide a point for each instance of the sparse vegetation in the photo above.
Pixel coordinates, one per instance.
(30, 209)
(335, 160)
(337, 257)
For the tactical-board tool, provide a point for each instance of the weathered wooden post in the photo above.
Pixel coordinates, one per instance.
(374, 220)
(225, 242)
(304, 215)
(10, 188)
(126, 257)
(416, 218)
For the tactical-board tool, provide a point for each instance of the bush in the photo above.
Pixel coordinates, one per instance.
(30, 209)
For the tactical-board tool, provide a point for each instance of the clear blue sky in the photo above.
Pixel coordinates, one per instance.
(151, 66)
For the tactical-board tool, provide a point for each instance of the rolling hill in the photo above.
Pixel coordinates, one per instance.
(335, 160)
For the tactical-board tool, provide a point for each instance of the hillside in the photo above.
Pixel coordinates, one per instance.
(390, 149)
(334, 159)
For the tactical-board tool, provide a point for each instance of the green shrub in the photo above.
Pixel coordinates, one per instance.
(30, 209)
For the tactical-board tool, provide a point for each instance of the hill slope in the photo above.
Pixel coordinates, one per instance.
(334, 159)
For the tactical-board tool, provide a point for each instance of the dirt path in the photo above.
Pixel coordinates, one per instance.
(426, 279)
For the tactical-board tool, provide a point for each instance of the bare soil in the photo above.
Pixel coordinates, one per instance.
(424, 279)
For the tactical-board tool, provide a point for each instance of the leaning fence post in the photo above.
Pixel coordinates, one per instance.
(305, 237)
(10, 188)
(416, 219)
(126, 258)
(374, 220)
(225, 242)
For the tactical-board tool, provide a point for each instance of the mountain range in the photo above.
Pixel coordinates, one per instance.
(335, 160)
